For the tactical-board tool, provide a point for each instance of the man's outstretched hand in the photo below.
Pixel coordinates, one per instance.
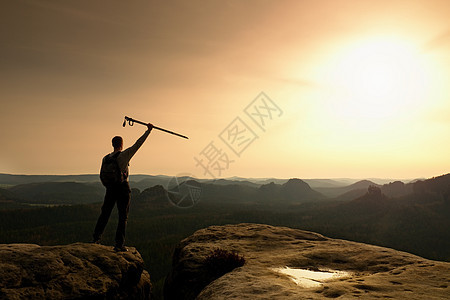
(150, 126)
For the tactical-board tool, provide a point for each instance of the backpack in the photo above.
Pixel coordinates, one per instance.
(110, 173)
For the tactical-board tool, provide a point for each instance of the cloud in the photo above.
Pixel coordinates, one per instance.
(297, 81)
(441, 40)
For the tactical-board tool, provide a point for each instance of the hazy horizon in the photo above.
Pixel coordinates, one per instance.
(283, 89)
(383, 179)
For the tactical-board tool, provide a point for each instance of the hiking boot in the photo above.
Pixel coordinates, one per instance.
(120, 249)
(95, 239)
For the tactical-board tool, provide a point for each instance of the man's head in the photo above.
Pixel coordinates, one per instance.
(117, 142)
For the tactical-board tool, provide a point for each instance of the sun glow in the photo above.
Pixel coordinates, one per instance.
(376, 81)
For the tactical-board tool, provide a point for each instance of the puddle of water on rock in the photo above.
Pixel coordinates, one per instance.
(309, 279)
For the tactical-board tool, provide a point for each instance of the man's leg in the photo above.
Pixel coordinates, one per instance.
(107, 207)
(123, 204)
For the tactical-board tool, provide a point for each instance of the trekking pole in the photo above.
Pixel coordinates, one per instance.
(131, 122)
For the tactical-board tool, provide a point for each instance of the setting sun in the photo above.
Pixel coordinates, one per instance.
(377, 79)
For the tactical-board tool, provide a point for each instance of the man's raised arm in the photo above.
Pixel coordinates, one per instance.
(129, 152)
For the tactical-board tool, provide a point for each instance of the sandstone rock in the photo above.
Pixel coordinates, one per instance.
(374, 272)
(76, 271)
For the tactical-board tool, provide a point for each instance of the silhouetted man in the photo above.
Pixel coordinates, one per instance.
(118, 192)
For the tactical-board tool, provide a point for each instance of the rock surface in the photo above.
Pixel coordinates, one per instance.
(76, 271)
(375, 272)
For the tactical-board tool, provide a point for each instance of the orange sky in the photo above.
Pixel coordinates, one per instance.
(362, 87)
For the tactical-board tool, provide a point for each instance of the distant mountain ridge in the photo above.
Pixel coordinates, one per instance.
(58, 192)
(294, 190)
(141, 179)
(336, 191)
(87, 189)
(439, 184)
(12, 179)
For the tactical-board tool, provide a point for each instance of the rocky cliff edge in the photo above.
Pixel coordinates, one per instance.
(369, 272)
(76, 271)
